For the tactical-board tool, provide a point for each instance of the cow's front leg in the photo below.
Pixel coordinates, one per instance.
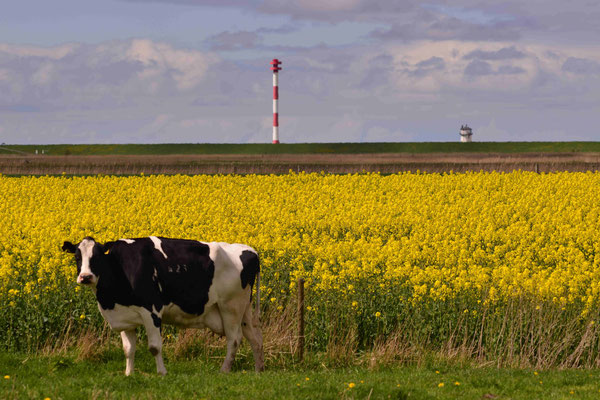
(152, 323)
(128, 337)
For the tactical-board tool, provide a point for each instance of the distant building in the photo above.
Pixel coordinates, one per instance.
(465, 133)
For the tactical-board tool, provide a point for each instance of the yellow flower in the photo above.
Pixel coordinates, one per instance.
(82, 316)
(351, 385)
(377, 314)
(441, 384)
(6, 376)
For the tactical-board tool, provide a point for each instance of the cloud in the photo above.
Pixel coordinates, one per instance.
(505, 53)
(186, 67)
(109, 73)
(54, 53)
(478, 68)
(581, 66)
(510, 70)
(202, 3)
(427, 66)
(443, 28)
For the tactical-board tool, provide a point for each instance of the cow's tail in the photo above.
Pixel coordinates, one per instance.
(257, 309)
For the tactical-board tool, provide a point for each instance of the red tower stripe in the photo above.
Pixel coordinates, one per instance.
(275, 119)
(275, 92)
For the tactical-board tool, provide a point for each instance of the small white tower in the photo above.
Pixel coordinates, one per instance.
(465, 133)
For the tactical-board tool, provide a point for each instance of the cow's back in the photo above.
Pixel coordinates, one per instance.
(190, 274)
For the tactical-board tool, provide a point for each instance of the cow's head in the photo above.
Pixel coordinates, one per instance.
(90, 259)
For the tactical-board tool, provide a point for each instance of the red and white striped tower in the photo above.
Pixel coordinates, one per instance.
(275, 68)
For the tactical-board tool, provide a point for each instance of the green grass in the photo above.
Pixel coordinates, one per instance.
(64, 377)
(305, 148)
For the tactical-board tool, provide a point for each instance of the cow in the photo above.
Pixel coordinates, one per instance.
(155, 280)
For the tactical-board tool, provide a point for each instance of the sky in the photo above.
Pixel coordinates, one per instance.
(197, 71)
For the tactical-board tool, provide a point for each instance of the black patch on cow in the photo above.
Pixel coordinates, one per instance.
(69, 247)
(113, 287)
(186, 274)
(153, 350)
(156, 320)
(250, 268)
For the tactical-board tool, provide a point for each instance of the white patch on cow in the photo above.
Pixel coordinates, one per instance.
(211, 318)
(128, 241)
(155, 279)
(123, 318)
(86, 247)
(228, 264)
(158, 245)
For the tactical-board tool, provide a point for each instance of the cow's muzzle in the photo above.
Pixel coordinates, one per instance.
(85, 279)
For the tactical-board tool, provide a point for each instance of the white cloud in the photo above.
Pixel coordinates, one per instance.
(188, 67)
(54, 53)
(44, 74)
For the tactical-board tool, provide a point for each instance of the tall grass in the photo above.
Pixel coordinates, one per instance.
(520, 333)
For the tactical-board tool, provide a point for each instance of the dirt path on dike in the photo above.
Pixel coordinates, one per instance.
(283, 163)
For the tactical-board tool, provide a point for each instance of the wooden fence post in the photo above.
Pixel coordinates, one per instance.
(300, 351)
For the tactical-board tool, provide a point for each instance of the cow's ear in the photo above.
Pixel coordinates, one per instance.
(69, 247)
(107, 246)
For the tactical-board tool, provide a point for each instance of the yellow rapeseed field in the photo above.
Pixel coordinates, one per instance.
(369, 246)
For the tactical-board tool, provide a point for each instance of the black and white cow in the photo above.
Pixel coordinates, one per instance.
(154, 281)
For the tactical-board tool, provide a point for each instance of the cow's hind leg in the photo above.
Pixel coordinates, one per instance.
(153, 323)
(253, 333)
(232, 325)
(128, 337)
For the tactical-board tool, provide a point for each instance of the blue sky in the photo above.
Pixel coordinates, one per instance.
(135, 71)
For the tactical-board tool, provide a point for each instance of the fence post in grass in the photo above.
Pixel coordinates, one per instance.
(300, 350)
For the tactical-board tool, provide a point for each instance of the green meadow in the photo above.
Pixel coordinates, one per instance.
(303, 148)
(66, 376)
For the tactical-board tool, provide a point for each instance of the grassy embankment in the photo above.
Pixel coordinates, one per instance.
(304, 148)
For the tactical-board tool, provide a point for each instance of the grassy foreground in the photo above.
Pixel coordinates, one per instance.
(65, 377)
(303, 148)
